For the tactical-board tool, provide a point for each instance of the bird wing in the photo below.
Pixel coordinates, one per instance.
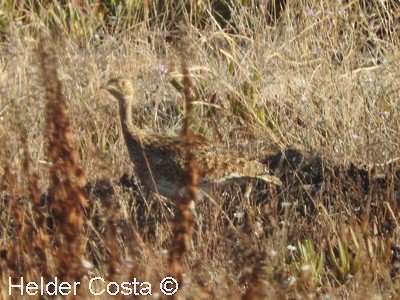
(216, 163)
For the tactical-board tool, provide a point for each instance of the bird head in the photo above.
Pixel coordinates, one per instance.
(120, 88)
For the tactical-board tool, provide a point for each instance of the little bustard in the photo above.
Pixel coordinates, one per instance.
(160, 161)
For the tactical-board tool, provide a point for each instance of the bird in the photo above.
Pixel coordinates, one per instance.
(160, 161)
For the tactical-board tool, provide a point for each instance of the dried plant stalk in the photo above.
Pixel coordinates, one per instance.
(67, 197)
(184, 220)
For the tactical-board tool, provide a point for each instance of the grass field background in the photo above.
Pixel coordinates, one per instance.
(322, 78)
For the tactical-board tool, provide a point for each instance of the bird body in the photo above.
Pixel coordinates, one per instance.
(160, 161)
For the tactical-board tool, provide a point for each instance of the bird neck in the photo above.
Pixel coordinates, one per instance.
(125, 113)
(132, 133)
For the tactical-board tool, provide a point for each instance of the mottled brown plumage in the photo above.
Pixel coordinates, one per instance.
(160, 162)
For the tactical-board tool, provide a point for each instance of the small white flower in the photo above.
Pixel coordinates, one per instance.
(87, 264)
(303, 99)
(309, 12)
(238, 215)
(291, 280)
(305, 268)
(273, 253)
(384, 114)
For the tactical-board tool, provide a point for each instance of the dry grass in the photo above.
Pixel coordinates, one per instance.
(322, 79)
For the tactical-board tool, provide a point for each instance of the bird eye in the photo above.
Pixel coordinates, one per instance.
(123, 83)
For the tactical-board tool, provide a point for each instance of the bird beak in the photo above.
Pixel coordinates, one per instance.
(108, 85)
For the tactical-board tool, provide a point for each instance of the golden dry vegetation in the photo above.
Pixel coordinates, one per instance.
(309, 89)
